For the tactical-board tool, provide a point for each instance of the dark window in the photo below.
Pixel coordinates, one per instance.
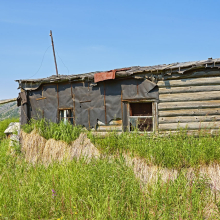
(141, 116)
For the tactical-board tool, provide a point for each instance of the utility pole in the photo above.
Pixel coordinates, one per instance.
(54, 52)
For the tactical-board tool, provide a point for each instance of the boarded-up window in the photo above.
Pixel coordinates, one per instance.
(141, 116)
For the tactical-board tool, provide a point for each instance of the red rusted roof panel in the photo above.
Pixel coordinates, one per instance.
(104, 76)
(98, 77)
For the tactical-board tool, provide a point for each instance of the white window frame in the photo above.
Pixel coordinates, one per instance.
(65, 118)
(154, 114)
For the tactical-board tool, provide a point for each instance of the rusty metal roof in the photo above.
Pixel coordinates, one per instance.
(31, 84)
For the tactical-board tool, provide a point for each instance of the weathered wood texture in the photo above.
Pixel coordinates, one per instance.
(195, 96)
(190, 82)
(190, 125)
(186, 119)
(186, 89)
(191, 103)
(114, 125)
(7, 101)
(190, 112)
(109, 128)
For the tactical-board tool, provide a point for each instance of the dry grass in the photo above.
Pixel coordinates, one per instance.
(38, 149)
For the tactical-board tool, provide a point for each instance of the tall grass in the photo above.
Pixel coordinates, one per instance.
(98, 190)
(4, 124)
(177, 150)
(58, 131)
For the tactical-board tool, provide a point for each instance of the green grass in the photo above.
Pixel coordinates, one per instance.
(173, 151)
(58, 131)
(98, 190)
(4, 124)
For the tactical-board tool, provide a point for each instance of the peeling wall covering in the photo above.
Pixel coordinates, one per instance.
(103, 102)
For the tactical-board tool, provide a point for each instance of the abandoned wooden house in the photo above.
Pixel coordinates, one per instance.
(151, 98)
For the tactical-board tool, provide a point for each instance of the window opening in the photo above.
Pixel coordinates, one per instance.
(66, 115)
(141, 117)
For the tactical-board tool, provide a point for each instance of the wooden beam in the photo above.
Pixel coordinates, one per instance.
(199, 96)
(7, 101)
(112, 122)
(188, 105)
(190, 82)
(190, 126)
(190, 112)
(186, 89)
(187, 119)
(41, 98)
(110, 128)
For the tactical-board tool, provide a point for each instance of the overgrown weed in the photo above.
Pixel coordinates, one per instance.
(58, 131)
(97, 190)
(175, 150)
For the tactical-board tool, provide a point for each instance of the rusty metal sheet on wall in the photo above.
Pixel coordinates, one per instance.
(98, 77)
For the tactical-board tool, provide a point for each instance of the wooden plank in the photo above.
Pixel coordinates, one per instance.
(7, 101)
(112, 122)
(190, 132)
(189, 105)
(187, 119)
(190, 112)
(41, 98)
(199, 96)
(186, 89)
(103, 134)
(190, 82)
(109, 128)
(190, 126)
(194, 74)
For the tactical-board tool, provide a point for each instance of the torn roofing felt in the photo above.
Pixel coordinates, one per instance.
(103, 102)
(157, 71)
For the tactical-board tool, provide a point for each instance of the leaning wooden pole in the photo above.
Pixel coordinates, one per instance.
(7, 101)
(54, 52)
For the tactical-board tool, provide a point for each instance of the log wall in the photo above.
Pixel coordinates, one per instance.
(192, 102)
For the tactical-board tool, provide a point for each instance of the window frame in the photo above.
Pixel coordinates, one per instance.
(154, 114)
(67, 118)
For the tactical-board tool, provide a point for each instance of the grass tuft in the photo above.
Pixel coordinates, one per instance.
(176, 150)
(58, 131)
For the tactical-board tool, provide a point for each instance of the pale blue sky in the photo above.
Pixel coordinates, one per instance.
(95, 35)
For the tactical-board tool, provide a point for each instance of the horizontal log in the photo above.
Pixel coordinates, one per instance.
(109, 128)
(187, 119)
(190, 82)
(103, 133)
(190, 112)
(7, 101)
(112, 122)
(190, 126)
(190, 132)
(199, 96)
(193, 74)
(188, 105)
(186, 89)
